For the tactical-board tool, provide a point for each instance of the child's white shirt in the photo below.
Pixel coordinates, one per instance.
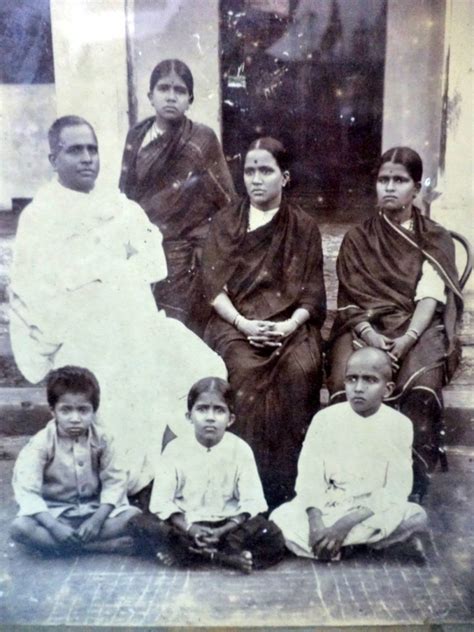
(352, 460)
(207, 484)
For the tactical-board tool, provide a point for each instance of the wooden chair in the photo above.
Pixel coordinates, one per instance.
(468, 250)
(462, 282)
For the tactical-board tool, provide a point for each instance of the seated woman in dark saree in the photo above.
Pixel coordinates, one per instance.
(399, 291)
(175, 169)
(263, 273)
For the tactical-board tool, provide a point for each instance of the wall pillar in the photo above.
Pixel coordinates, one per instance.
(455, 207)
(428, 102)
(90, 65)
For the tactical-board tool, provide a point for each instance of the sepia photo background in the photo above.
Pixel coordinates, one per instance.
(339, 81)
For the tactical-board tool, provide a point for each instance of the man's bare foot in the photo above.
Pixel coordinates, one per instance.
(165, 558)
(242, 561)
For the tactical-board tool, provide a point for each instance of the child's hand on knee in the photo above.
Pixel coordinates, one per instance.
(326, 543)
(65, 534)
(316, 536)
(202, 536)
(215, 536)
(89, 530)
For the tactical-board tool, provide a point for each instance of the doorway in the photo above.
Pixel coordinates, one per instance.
(310, 73)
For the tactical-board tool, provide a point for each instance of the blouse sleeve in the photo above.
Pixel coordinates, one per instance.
(430, 285)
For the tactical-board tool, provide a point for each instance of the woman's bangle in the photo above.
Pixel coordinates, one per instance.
(236, 320)
(413, 333)
(362, 330)
(235, 521)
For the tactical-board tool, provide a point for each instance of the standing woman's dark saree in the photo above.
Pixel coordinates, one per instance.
(263, 274)
(399, 291)
(175, 169)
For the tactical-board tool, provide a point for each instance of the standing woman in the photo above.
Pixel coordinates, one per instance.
(175, 169)
(399, 291)
(263, 273)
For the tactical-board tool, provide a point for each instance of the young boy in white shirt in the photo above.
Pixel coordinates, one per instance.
(70, 490)
(207, 496)
(355, 472)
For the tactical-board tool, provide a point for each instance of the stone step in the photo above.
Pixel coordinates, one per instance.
(11, 377)
(24, 411)
(464, 375)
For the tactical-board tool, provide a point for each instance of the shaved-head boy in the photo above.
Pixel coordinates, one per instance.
(355, 472)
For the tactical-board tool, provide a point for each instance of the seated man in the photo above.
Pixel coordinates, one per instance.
(72, 495)
(84, 260)
(355, 471)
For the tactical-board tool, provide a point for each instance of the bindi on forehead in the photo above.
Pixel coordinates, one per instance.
(172, 79)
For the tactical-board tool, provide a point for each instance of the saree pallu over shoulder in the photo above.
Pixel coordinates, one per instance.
(379, 266)
(180, 179)
(268, 272)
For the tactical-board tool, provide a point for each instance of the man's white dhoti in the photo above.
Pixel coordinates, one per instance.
(80, 294)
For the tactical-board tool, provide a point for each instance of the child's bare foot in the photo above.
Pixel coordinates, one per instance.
(411, 550)
(242, 561)
(165, 558)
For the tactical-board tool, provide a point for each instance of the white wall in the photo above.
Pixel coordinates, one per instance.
(90, 66)
(26, 112)
(187, 30)
(420, 37)
(414, 78)
(455, 207)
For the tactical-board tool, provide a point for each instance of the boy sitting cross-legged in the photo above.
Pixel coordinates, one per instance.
(207, 495)
(355, 472)
(71, 493)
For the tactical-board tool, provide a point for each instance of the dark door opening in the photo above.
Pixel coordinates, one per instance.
(310, 73)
